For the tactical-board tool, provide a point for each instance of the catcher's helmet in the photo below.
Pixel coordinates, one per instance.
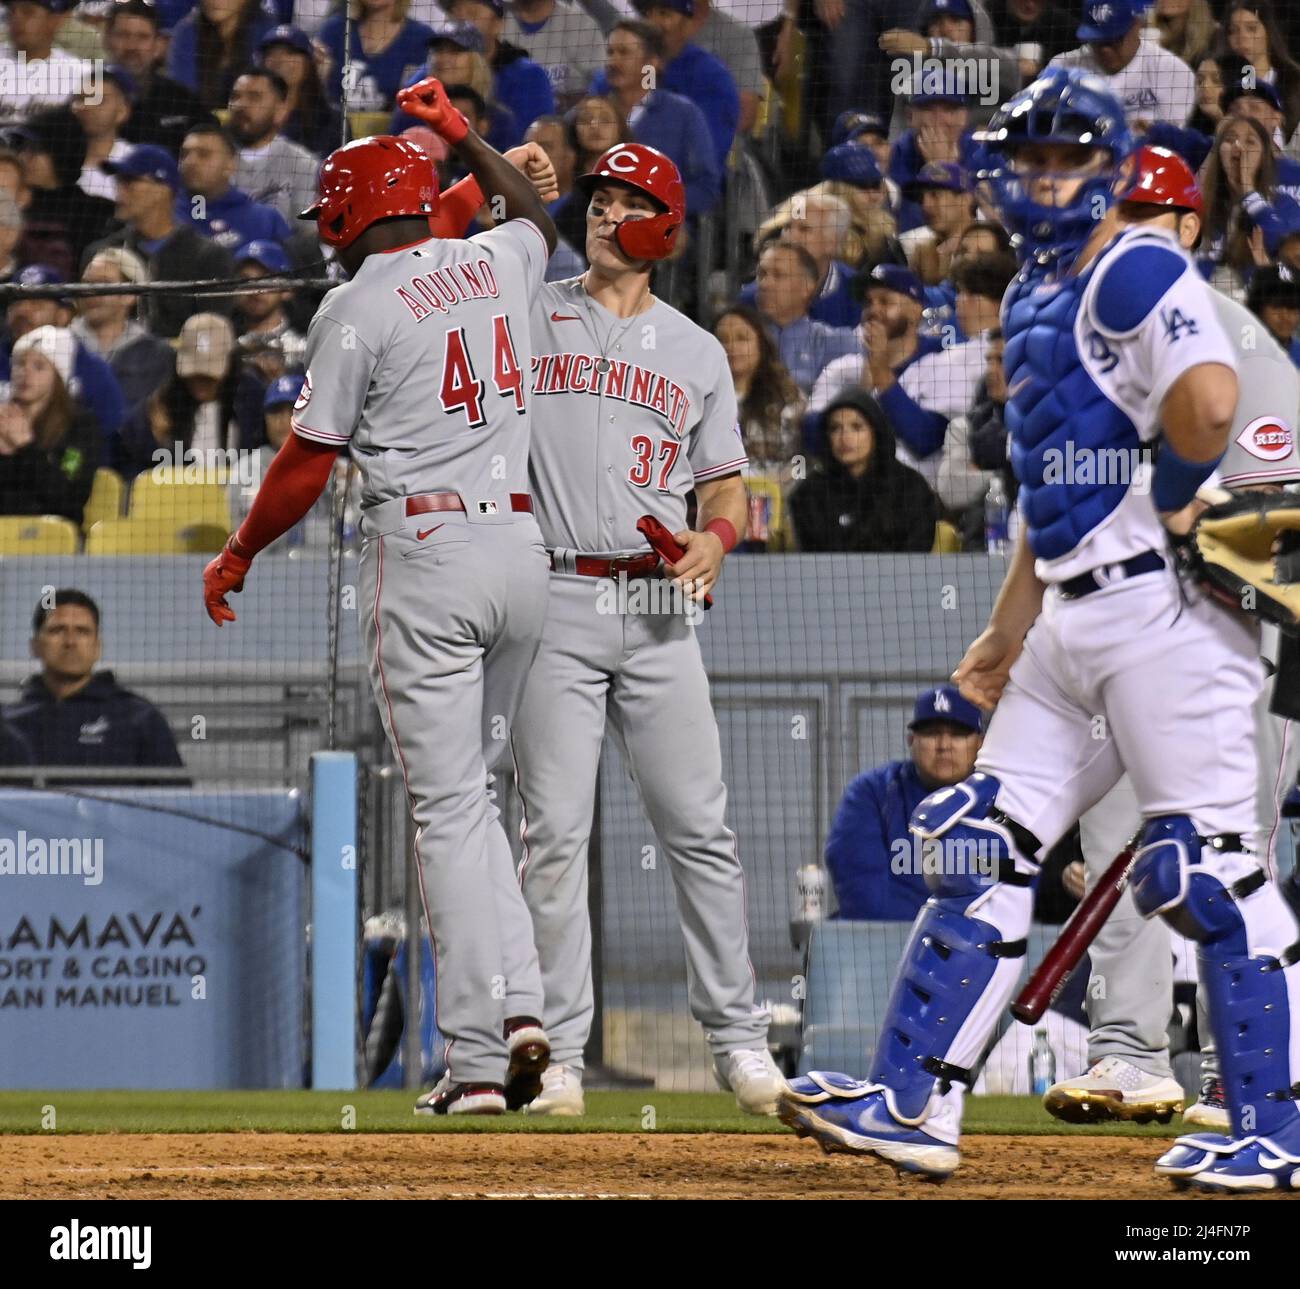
(648, 171)
(1157, 177)
(368, 180)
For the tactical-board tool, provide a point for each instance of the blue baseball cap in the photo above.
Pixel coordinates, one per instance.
(940, 174)
(458, 32)
(853, 125)
(282, 390)
(1286, 225)
(146, 161)
(894, 277)
(1107, 20)
(40, 275)
(1260, 90)
(851, 164)
(946, 8)
(946, 704)
(285, 34)
(270, 255)
(498, 7)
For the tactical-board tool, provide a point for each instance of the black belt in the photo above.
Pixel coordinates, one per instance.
(1076, 588)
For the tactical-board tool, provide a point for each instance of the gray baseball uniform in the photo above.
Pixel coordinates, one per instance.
(420, 365)
(1129, 1018)
(628, 414)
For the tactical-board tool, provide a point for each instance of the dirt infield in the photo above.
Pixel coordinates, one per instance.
(482, 1165)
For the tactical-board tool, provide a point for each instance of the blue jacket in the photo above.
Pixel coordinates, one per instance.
(183, 52)
(871, 817)
(386, 71)
(806, 346)
(234, 219)
(170, 12)
(676, 127)
(94, 385)
(835, 304)
(905, 159)
(102, 724)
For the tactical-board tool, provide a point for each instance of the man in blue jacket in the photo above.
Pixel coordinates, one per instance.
(873, 864)
(211, 204)
(70, 714)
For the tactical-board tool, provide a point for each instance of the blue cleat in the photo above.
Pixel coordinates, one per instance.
(848, 1117)
(1210, 1162)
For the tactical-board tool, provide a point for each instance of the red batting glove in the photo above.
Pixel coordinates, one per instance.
(427, 101)
(225, 574)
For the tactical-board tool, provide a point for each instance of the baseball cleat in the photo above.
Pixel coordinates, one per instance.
(847, 1117)
(530, 1054)
(1210, 1162)
(462, 1098)
(1210, 1110)
(1115, 1089)
(752, 1075)
(561, 1093)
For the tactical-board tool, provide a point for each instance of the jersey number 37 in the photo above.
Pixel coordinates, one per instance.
(462, 390)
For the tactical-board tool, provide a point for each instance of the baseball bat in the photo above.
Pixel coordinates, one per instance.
(664, 544)
(1049, 977)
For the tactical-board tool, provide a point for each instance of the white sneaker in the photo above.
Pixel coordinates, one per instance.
(561, 1093)
(753, 1077)
(1115, 1089)
(1210, 1110)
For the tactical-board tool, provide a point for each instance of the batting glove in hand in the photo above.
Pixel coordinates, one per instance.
(225, 574)
(427, 101)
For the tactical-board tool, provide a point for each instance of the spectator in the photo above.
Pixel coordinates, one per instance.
(11, 233)
(1037, 30)
(213, 43)
(948, 209)
(49, 446)
(867, 131)
(310, 119)
(871, 855)
(93, 384)
(595, 126)
(1274, 298)
(34, 26)
(784, 290)
(691, 72)
(1250, 30)
(562, 39)
(519, 85)
(267, 338)
(734, 44)
(387, 46)
(892, 303)
(102, 117)
(850, 173)
(14, 749)
(1284, 246)
(215, 403)
(456, 57)
(974, 449)
(939, 133)
(860, 497)
(52, 146)
(1151, 83)
(273, 169)
(148, 182)
(142, 363)
(986, 431)
(163, 109)
(551, 134)
(70, 714)
(1213, 76)
(1187, 29)
(977, 238)
(212, 204)
(770, 407)
(658, 117)
(1261, 103)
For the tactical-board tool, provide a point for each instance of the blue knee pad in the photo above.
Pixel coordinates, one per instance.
(951, 957)
(1250, 1007)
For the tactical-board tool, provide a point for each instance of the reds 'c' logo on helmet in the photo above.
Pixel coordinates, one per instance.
(649, 171)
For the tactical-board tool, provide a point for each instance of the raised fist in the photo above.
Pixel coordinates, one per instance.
(531, 161)
(427, 101)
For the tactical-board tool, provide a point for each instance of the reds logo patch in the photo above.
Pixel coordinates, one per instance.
(1266, 438)
(304, 395)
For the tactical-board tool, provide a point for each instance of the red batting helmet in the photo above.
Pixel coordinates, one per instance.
(648, 171)
(1157, 177)
(368, 180)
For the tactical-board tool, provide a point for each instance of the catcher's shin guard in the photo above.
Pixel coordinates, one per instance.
(965, 953)
(1249, 960)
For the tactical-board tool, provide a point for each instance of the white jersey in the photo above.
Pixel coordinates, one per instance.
(1155, 86)
(420, 365)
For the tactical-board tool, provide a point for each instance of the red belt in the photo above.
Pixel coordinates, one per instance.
(432, 502)
(631, 565)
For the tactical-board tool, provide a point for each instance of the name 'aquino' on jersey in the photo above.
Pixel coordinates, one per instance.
(441, 289)
(570, 373)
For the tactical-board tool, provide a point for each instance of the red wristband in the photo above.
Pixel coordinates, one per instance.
(725, 531)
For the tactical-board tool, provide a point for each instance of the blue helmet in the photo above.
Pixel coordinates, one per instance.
(1064, 105)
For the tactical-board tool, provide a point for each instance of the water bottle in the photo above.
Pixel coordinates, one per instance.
(996, 511)
(1042, 1064)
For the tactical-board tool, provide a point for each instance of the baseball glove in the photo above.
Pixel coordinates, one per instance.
(1246, 552)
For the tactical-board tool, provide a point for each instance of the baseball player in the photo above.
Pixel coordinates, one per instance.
(1101, 660)
(418, 365)
(1129, 1075)
(633, 407)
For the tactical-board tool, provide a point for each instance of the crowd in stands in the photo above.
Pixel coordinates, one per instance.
(830, 147)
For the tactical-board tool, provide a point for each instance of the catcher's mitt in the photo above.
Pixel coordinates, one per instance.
(1246, 552)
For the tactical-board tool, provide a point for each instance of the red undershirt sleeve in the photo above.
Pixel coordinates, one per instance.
(297, 477)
